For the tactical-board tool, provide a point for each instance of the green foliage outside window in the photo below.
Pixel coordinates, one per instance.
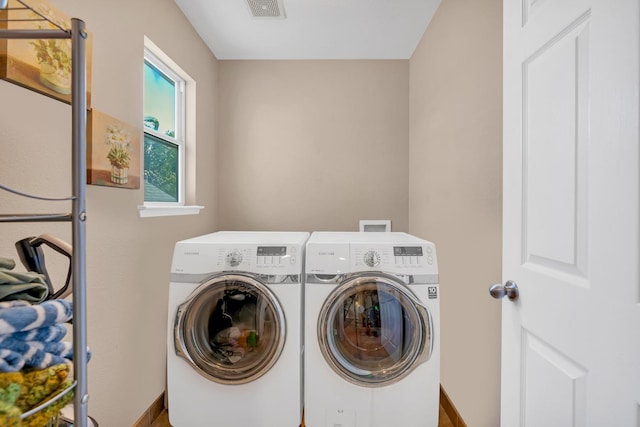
(161, 165)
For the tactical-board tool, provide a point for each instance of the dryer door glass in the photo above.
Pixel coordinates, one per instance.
(231, 329)
(373, 330)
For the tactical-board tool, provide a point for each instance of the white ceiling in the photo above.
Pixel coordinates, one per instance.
(312, 29)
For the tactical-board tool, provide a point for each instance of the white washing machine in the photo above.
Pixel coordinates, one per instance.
(372, 353)
(235, 330)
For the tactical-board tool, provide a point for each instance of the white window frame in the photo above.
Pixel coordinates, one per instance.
(154, 56)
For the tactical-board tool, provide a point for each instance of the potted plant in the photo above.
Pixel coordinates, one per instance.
(119, 142)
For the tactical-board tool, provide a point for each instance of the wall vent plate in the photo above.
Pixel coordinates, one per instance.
(270, 9)
(383, 225)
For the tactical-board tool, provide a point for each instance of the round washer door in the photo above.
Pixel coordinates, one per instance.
(231, 329)
(373, 331)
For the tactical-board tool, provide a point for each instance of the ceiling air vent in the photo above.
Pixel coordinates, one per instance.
(266, 8)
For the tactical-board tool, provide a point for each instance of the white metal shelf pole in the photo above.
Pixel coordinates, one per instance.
(79, 136)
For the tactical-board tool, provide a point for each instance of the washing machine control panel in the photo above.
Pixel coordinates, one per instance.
(265, 253)
(275, 255)
(267, 259)
(234, 258)
(392, 257)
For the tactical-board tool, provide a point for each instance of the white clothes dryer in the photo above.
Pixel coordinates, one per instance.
(235, 330)
(372, 352)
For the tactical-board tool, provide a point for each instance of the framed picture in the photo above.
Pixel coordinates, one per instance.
(40, 65)
(113, 152)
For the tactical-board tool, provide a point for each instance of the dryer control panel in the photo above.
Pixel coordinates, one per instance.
(331, 253)
(413, 255)
(405, 258)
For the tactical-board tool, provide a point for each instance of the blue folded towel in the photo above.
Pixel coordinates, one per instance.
(63, 349)
(32, 357)
(10, 361)
(30, 335)
(46, 334)
(20, 316)
(16, 355)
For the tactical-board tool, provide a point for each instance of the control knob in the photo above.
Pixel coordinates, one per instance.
(372, 258)
(234, 258)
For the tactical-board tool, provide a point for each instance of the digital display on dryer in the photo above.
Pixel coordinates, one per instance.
(407, 250)
(272, 250)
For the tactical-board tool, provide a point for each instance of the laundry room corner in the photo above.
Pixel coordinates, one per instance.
(455, 196)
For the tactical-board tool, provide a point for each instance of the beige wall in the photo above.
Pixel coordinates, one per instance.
(128, 258)
(313, 145)
(455, 196)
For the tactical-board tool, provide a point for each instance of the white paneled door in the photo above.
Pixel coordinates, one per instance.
(571, 338)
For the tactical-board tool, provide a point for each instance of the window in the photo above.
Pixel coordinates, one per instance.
(164, 134)
(169, 124)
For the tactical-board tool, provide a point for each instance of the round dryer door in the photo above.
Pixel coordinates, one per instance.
(373, 331)
(231, 329)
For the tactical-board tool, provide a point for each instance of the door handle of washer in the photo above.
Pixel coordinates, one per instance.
(427, 324)
(509, 289)
(178, 345)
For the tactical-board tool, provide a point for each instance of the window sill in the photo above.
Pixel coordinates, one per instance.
(153, 211)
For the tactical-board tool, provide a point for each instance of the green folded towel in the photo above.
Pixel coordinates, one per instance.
(14, 285)
(9, 413)
(40, 418)
(25, 390)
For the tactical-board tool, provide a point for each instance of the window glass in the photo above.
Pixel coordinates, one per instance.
(372, 328)
(159, 101)
(241, 326)
(163, 133)
(161, 169)
(371, 332)
(232, 329)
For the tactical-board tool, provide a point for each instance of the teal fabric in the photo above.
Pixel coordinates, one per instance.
(14, 285)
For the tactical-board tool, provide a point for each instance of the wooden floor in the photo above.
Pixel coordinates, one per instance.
(163, 420)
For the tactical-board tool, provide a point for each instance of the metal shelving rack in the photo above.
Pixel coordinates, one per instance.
(77, 217)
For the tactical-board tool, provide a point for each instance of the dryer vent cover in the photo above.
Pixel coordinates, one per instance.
(273, 9)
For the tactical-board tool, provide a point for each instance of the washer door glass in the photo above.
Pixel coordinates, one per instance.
(231, 329)
(373, 331)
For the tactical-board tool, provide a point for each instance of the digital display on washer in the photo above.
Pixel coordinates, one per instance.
(407, 250)
(272, 250)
